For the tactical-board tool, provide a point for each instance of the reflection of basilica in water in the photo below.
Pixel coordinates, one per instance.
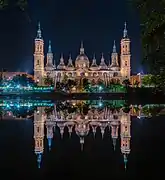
(80, 117)
(116, 121)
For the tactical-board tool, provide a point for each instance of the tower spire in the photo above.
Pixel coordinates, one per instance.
(94, 65)
(50, 47)
(114, 47)
(125, 161)
(102, 63)
(39, 31)
(125, 30)
(70, 63)
(114, 143)
(49, 143)
(82, 48)
(82, 143)
(39, 159)
(62, 64)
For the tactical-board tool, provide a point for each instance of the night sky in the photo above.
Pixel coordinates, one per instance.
(66, 23)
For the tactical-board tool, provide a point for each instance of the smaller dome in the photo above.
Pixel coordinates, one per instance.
(70, 65)
(94, 66)
(114, 67)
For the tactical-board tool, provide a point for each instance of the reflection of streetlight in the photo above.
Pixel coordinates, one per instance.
(100, 104)
(100, 88)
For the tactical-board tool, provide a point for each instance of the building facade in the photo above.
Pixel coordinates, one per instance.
(118, 68)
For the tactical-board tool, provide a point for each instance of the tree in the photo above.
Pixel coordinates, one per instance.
(159, 82)
(49, 111)
(147, 80)
(111, 85)
(22, 4)
(48, 81)
(21, 80)
(152, 34)
(126, 82)
(65, 79)
(85, 82)
(70, 84)
(59, 86)
(100, 85)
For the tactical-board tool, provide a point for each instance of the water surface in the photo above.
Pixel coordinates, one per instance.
(65, 157)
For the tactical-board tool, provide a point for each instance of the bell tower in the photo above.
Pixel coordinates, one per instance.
(125, 135)
(125, 55)
(39, 121)
(39, 58)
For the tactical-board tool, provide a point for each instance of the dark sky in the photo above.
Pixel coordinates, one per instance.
(66, 23)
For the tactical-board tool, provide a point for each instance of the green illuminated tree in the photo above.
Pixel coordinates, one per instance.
(147, 80)
(152, 18)
(86, 84)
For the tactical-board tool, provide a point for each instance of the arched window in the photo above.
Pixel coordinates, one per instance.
(38, 129)
(37, 144)
(115, 74)
(115, 117)
(40, 48)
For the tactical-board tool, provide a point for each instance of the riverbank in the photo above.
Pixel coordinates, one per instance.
(132, 96)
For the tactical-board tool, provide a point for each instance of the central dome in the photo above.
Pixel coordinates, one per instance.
(82, 57)
(82, 60)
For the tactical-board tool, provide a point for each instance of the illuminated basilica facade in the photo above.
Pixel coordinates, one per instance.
(118, 68)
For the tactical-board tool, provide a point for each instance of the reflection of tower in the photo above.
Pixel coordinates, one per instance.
(70, 126)
(61, 125)
(39, 133)
(114, 131)
(94, 125)
(125, 55)
(82, 130)
(49, 126)
(125, 135)
(39, 58)
(103, 125)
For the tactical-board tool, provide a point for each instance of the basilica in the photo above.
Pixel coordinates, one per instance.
(118, 68)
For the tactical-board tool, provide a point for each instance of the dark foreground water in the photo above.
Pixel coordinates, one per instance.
(97, 160)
